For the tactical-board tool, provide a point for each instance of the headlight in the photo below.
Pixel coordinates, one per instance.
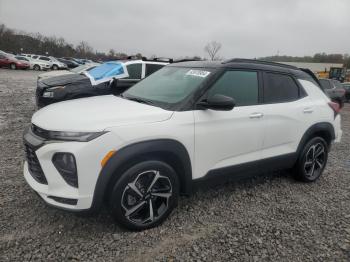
(66, 136)
(48, 94)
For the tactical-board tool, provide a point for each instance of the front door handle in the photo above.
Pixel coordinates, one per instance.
(256, 115)
(308, 110)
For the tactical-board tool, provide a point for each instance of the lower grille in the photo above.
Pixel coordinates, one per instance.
(34, 166)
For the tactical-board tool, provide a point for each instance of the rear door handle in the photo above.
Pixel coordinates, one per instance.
(308, 110)
(256, 115)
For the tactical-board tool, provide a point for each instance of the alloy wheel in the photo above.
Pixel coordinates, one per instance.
(146, 199)
(315, 159)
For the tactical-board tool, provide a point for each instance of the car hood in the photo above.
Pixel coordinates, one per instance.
(96, 114)
(64, 79)
(54, 73)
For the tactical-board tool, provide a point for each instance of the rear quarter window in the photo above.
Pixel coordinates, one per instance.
(280, 88)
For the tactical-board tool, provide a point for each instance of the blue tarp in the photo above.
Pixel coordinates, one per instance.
(106, 72)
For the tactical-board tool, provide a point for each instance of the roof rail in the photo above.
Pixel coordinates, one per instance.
(159, 59)
(261, 62)
(187, 60)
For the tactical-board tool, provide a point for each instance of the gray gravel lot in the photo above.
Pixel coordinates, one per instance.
(270, 218)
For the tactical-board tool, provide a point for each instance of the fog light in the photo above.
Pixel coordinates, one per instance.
(66, 166)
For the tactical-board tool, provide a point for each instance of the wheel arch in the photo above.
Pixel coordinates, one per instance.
(169, 151)
(323, 129)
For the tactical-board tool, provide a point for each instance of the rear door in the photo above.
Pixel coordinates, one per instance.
(288, 112)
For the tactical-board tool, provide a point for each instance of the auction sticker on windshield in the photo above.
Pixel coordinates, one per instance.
(199, 73)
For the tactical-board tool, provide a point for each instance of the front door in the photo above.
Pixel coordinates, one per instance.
(230, 138)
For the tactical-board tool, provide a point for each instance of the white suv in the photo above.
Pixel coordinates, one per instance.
(185, 123)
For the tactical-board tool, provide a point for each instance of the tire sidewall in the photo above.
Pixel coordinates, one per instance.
(300, 165)
(130, 175)
(36, 68)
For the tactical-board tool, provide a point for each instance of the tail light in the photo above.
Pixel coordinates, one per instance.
(335, 107)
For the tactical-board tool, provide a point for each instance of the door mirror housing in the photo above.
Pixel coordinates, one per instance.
(113, 83)
(218, 102)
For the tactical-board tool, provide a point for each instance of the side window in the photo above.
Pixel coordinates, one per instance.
(2, 56)
(325, 84)
(134, 71)
(280, 88)
(151, 68)
(242, 86)
(44, 58)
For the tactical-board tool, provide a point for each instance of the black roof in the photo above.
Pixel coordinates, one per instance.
(244, 64)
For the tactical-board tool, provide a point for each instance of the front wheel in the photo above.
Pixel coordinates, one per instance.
(145, 195)
(13, 66)
(312, 160)
(36, 67)
(55, 67)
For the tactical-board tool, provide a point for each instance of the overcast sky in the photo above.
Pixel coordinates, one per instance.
(245, 28)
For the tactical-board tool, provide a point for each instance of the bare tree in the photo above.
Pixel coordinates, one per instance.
(84, 49)
(212, 49)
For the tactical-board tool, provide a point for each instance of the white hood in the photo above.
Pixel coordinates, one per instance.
(96, 114)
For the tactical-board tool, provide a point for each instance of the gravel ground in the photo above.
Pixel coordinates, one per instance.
(272, 218)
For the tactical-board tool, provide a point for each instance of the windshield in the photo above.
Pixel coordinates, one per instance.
(169, 85)
(21, 58)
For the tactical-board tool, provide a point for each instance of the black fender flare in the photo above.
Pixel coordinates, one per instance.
(164, 149)
(314, 129)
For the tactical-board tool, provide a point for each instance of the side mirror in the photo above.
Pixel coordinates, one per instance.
(218, 102)
(113, 83)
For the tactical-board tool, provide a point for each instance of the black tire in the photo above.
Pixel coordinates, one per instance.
(312, 160)
(54, 67)
(36, 68)
(141, 186)
(13, 66)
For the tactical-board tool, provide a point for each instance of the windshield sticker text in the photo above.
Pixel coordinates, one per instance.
(199, 73)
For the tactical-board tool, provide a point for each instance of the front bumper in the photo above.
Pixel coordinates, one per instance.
(54, 190)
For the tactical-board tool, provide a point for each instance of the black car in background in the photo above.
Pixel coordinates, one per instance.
(334, 90)
(347, 91)
(69, 63)
(72, 86)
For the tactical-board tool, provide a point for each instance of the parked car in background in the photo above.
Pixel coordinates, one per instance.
(8, 60)
(78, 61)
(334, 90)
(55, 64)
(77, 70)
(188, 122)
(69, 63)
(347, 91)
(35, 64)
(108, 78)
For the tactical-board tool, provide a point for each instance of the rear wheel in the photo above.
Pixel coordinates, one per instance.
(13, 66)
(145, 195)
(312, 160)
(36, 67)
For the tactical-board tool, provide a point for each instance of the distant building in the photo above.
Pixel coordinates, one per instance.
(314, 67)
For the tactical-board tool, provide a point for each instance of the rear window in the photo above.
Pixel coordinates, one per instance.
(280, 88)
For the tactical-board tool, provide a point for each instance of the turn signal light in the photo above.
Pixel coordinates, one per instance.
(107, 157)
